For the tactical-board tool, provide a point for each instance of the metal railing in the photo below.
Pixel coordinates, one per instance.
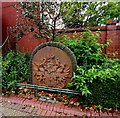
(43, 88)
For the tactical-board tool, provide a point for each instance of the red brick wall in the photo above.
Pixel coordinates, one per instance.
(27, 43)
(8, 19)
(113, 34)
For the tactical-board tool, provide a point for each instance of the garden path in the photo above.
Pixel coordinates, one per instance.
(31, 106)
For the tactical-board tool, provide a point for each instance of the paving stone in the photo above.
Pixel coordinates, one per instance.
(34, 110)
(39, 104)
(16, 106)
(48, 106)
(36, 103)
(62, 114)
(75, 110)
(67, 110)
(57, 114)
(5, 98)
(4, 103)
(12, 106)
(28, 102)
(2, 98)
(51, 108)
(68, 115)
(99, 113)
(25, 102)
(48, 113)
(95, 114)
(89, 113)
(78, 113)
(112, 114)
(17, 100)
(55, 108)
(62, 108)
(26, 109)
(59, 107)
(118, 115)
(30, 110)
(11, 98)
(39, 111)
(31, 103)
(8, 104)
(22, 100)
(22, 108)
(52, 113)
(44, 105)
(43, 112)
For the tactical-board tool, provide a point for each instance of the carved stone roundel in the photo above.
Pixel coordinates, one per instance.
(52, 64)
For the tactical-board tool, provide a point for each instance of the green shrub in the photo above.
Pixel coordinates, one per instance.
(85, 47)
(14, 69)
(105, 88)
(97, 77)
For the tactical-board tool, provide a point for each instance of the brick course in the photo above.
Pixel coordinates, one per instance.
(67, 111)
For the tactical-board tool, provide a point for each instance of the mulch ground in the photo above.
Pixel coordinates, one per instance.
(31, 105)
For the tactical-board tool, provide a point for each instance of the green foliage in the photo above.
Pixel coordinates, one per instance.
(82, 14)
(14, 69)
(97, 77)
(84, 78)
(85, 47)
(105, 88)
(35, 17)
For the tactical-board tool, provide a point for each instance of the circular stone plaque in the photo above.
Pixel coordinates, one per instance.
(52, 64)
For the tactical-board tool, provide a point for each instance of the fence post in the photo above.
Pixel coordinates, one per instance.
(36, 91)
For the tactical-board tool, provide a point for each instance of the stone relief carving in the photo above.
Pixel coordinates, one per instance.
(51, 72)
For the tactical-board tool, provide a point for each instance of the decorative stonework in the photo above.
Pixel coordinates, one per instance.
(51, 72)
(51, 66)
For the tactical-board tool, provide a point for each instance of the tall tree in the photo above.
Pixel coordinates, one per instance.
(82, 14)
(52, 15)
(36, 17)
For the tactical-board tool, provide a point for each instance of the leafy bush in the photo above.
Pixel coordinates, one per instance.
(105, 88)
(97, 77)
(83, 77)
(85, 47)
(14, 69)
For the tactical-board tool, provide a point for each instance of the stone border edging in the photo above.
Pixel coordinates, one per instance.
(33, 106)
